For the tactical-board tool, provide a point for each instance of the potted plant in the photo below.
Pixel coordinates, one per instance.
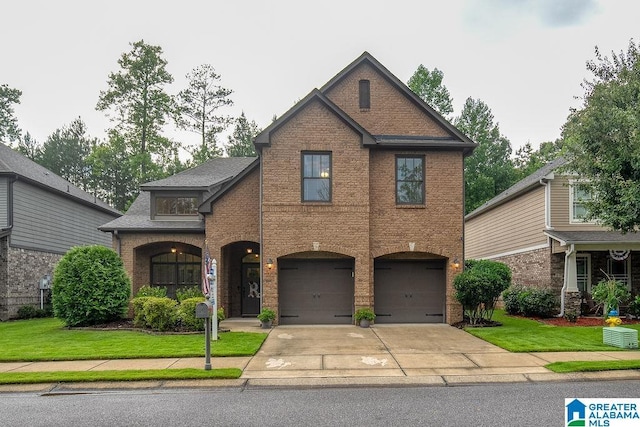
(266, 317)
(611, 293)
(364, 317)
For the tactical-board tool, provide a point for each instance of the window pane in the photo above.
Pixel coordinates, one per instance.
(316, 189)
(409, 180)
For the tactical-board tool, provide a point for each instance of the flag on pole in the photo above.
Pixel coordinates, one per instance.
(206, 286)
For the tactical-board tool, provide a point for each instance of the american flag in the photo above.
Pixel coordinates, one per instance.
(206, 286)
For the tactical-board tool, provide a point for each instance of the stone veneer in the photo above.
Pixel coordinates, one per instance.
(531, 268)
(20, 274)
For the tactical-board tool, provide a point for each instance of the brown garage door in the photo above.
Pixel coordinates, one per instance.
(409, 291)
(315, 291)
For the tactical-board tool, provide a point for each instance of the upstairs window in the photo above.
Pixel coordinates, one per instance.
(578, 195)
(316, 177)
(176, 206)
(410, 180)
(365, 94)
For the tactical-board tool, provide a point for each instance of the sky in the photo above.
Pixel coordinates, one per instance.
(524, 58)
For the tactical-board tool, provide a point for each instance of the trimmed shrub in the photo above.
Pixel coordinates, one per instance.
(634, 306)
(532, 302)
(479, 287)
(27, 312)
(187, 314)
(187, 293)
(152, 291)
(138, 313)
(221, 315)
(160, 314)
(90, 286)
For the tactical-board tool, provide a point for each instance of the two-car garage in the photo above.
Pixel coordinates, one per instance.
(321, 291)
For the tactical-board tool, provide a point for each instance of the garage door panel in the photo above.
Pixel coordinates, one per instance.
(409, 291)
(315, 291)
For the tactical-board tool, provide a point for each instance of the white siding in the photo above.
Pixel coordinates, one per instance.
(508, 228)
(53, 223)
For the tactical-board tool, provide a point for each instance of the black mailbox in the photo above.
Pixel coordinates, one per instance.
(204, 310)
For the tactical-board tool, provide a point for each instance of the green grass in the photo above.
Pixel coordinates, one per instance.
(525, 335)
(564, 367)
(132, 375)
(48, 339)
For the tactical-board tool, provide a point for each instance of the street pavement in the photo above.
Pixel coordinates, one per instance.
(345, 355)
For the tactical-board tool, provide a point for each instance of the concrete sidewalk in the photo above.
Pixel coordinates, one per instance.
(433, 354)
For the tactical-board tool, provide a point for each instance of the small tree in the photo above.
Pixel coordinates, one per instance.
(90, 286)
(479, 287)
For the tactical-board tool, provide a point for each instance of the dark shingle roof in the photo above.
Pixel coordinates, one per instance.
(519, 187)
(592, 237)
(210, 178)
(14, 163)
(204, 176)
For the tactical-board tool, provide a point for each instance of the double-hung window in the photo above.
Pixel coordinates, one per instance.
(578, 195)
(316, 176)
(410, 180)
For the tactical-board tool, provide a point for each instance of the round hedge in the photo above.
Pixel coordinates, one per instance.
(90, 286)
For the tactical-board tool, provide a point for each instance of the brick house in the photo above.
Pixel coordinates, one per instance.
(356, 200)
(41, 217)
(537, 227)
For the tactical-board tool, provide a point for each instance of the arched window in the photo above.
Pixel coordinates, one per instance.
(175, 270)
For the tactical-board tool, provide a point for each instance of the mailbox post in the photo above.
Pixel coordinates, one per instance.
(204, 311)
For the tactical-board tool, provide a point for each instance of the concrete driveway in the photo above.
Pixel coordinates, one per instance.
(433, 350)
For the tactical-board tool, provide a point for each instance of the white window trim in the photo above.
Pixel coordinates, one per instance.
(572, 219)
(587, 257)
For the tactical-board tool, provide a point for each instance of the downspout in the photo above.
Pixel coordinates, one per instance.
(565, 284)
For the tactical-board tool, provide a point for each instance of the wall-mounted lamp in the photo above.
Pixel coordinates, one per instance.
(455, 263)
(174, 249)
(249, 250)
(269, 263)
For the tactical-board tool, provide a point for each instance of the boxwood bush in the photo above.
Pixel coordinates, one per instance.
(160, 313)
(187, 314)
(529, 301)
(90, 286)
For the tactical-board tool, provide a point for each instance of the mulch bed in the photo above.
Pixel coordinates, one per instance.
(583, 321)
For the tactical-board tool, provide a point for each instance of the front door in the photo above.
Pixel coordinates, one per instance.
(251, 289)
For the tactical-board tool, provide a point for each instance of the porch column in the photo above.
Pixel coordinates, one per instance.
(570, 270)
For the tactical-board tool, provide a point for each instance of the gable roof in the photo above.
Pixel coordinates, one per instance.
(210, 178)
(518, 188)
(15, 164)
(458, 140)
(264, 137)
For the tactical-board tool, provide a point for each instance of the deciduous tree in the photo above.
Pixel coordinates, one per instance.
(428, 86)
(603, 139)
(9, 130)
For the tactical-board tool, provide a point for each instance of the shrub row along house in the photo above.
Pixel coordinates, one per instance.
(356, 200)
(41, 217)
(537, 228)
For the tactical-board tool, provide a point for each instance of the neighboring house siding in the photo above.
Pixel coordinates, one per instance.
(517, 225)
(560, 207)
(4, 202)
(49, 222)
(391, 112)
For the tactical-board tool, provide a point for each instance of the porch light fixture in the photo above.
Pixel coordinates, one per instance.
(249, 250)
(173, 249)
(269, 263)
(455, 263)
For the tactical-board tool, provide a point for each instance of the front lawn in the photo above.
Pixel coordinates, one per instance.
(525, 335)
(48, 339)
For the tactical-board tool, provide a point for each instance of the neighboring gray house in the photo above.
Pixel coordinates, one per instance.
(41, 217)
